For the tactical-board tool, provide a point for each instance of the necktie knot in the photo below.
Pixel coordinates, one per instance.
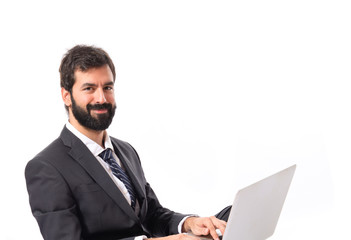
(106, 154)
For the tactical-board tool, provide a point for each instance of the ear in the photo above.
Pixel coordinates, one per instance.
(66, 97)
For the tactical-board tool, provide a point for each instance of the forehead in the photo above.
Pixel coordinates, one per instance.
(95, 75)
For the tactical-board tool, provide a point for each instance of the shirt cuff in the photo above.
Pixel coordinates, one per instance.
(140, 237)
(180, 226)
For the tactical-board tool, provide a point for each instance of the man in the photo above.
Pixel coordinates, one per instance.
(88, 185)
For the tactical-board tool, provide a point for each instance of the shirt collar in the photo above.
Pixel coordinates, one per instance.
(94, 148)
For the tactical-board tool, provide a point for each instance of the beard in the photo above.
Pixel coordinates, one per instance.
(84, 117)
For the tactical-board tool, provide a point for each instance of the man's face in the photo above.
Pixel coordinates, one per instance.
(92, 98)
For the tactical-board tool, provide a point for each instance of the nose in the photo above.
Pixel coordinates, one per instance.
(100, 96)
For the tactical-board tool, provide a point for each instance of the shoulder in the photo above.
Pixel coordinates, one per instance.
(53, 153)
(56, 147)
(47, 157)
(42, 166)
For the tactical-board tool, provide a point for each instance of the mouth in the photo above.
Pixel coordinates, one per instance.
(100, 111)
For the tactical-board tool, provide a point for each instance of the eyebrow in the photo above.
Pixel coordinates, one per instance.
(94, 85)
(88, 85)
(112, 83)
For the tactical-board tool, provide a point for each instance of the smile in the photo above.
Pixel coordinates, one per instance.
(99, 111)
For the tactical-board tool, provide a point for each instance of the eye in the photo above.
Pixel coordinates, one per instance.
(109, 88)
(87, 89)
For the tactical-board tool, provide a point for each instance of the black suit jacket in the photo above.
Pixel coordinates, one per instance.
(73, 198)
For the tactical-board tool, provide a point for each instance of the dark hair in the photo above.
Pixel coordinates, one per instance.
(83, 58)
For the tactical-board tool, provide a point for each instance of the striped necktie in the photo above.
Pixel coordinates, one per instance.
(106, 155)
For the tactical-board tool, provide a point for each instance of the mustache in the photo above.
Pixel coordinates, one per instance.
(107, 106)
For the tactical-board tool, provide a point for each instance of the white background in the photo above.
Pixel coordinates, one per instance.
(214, 95)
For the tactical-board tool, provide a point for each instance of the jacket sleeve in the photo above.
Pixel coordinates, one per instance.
(51, 202)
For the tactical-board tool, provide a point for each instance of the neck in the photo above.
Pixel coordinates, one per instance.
(96, 136)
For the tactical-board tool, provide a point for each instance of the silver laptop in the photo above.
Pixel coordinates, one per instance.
(256, 208)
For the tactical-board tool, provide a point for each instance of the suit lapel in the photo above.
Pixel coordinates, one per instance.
(86, 159)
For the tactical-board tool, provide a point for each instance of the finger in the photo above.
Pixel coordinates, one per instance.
(212, 229)
(214, 234)
(219, 224)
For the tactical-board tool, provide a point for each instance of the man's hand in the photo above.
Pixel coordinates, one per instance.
(198, 226)
(204, 226)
